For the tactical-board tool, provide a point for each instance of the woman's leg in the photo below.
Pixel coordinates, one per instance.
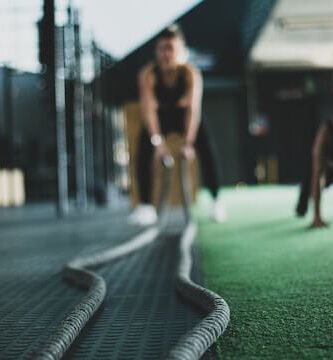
(210, 173)
(145, 213)
(208, 164)
(144, 167)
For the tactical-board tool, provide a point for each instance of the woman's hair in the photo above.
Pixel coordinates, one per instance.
(171, 32)
(174, 32)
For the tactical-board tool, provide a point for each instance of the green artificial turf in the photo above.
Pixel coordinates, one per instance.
(275, 274)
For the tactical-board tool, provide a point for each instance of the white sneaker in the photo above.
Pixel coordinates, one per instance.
(218, 212)
(143, 215)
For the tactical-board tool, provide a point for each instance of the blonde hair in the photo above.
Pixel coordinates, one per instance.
(174, 32)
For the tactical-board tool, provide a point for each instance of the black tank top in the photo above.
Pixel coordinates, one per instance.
(170, 115)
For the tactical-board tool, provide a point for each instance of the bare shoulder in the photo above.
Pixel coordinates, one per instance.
(146, 72)
(191, 69)
(192, 72)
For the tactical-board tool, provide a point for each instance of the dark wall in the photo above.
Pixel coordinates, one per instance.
(222, 115)
(32, 117)
(28, 133)
(2, 99)
(291, 101)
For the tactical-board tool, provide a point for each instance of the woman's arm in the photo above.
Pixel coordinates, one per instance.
(148, 103)
(192, 102)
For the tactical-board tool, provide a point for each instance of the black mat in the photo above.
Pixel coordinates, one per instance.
(142, 316)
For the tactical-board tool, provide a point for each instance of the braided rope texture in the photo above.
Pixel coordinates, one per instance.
(191, 346)
(197, 341)
(75, 271)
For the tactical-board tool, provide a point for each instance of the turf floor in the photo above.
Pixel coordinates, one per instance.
(275, 274)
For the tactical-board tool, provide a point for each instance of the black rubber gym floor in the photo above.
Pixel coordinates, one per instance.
(142, 316)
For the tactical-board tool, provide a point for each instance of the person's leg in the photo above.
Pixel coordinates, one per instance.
(145, 212)
(144, 167)
(305, 189)
(309, 132)
(210, 172)
(208, 164)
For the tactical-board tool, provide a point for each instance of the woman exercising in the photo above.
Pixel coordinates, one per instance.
(170, 98)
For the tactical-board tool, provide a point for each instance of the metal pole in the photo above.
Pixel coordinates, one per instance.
(100, 181)
(53, 58)
(63, 201)
(8, 112)
(79, 133)
(108, 156)
(89, 141)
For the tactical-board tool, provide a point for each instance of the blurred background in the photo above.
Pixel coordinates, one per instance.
(68, 93)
